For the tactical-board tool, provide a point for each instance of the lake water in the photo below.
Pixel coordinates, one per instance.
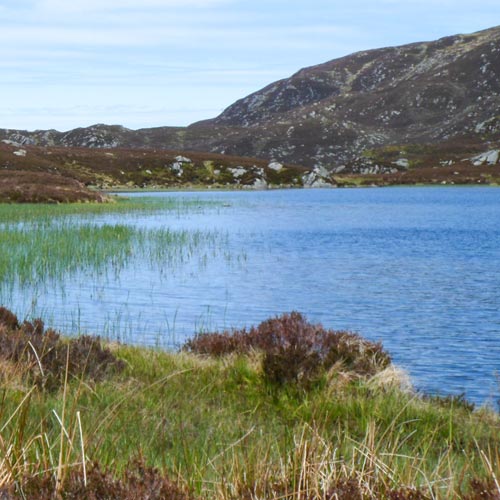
(416, 268)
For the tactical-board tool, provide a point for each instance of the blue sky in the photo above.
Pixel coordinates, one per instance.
(146, 63)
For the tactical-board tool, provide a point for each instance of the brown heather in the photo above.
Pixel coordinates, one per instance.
(61, 174)
(45, 358)
(139, 482)
(51, 173)
(295, 350)
(43, 187)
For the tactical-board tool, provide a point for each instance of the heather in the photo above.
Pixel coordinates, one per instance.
(295, 350)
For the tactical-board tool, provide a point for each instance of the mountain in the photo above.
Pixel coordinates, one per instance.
(330, 113)
(337, 114)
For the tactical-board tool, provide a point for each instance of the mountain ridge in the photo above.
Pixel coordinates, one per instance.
(331, 114)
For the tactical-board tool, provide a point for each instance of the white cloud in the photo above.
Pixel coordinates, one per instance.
(110, 5)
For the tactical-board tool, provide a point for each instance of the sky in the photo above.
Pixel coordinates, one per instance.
(149, 63)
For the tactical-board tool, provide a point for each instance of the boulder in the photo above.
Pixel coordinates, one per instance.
(237, 171)
(490, 158)
(274, 165)
(339, 169)
(319, 177)
(402, 162)
(183, 159)
(259, 184)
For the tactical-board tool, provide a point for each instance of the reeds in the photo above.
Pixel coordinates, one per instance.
(45, 243)
(12, 213)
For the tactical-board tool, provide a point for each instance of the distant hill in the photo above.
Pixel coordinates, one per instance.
(341, 113)
(24, 167)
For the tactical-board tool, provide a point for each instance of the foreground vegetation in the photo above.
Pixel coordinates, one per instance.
(286, 410)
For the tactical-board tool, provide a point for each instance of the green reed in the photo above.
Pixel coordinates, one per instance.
(11, 213)
(48, 242)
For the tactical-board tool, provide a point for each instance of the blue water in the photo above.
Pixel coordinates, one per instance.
(416, 268)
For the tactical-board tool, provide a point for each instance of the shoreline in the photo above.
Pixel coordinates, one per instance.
(202, 188)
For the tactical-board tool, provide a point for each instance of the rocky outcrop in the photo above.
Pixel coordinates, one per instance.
(318, 177)
(488, 158)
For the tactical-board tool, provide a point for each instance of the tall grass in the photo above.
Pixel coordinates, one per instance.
(48, 242)
(215, 426)
(11, 213)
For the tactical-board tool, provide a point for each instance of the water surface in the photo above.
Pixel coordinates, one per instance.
(416, 268)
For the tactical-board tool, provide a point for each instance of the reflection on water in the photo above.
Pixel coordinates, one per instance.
(417, 268)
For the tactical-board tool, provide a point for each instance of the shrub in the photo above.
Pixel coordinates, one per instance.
(8, 319)
(408, 494)
(483, 490)
(43, 355)
(294, 349)
(138, 482)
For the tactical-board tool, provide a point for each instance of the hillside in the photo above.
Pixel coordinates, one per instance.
(330, 113)
(55, 171)
(335, 115)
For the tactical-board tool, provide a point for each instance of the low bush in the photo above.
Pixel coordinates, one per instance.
(45, 358)
(486, 489)
(295, 350)
(138, 482)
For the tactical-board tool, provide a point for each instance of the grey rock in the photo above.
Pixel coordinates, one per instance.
(402, 162)
(259, 184)
(11, 143)
(319, 177)
(274, 165)
(183, 159)
(490, 158)
(237, 171)
(339, 169)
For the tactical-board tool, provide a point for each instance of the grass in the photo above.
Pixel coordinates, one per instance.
(39, 243)
(11, 213)
(218, 429)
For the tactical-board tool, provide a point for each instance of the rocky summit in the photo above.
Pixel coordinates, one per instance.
(334, 115)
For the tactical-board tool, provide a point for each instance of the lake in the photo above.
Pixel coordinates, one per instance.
(416, 268)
